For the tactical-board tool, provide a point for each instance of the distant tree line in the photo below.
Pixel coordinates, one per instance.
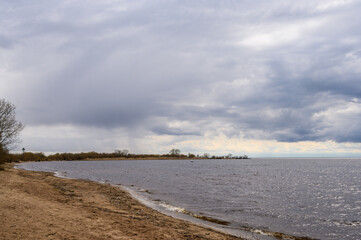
(117, 154)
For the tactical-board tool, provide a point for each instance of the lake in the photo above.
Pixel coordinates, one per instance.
(318, 198)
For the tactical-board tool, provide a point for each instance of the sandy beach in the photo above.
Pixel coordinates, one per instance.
(36, 205)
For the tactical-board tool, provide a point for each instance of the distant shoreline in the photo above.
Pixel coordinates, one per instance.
(145, 158)
(118, 155)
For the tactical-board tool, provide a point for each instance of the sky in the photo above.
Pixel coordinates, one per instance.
(261, 77)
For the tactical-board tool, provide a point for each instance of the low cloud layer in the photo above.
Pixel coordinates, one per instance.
(267, 70)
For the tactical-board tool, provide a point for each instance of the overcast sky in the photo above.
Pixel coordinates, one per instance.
(264, 78)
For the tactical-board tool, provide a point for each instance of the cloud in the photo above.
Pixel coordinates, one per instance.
(266, 70)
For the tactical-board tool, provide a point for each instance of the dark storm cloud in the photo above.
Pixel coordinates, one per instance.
(260, 69)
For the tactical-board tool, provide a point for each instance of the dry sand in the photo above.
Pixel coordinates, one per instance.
(35, 205)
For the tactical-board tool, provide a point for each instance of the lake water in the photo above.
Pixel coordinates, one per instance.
(316, 198)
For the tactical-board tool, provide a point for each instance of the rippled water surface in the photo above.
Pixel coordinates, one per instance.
(318, 198)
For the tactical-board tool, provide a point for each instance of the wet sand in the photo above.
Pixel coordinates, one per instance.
(37, 205)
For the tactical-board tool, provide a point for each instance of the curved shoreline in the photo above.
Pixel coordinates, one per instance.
(38, 205)
(241, 233)
(200, 220)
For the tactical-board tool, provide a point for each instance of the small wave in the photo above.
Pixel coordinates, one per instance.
(184, 211)
(346, 223)
(172, 208)
(60, 174)
(279, 235)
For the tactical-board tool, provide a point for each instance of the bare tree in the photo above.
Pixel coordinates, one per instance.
(9, 126)
(174, 152)
(206, 155)
(123, 153)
